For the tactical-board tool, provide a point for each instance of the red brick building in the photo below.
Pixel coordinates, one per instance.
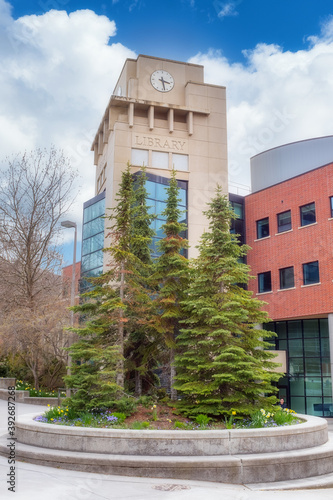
(289, 227)
(67, 276)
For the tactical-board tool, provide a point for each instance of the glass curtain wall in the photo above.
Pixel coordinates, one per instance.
(308, 383)
(156, 187)
(92, 240)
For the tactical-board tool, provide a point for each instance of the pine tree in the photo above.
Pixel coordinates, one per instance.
(117, 310)
(99, 377)
(95, 355)
(171, 274)
(222, 365)
(141, 348)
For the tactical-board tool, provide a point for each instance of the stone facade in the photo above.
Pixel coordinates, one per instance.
(184, 127)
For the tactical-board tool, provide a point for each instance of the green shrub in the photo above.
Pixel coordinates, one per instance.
(120, 416)
(140, 425)
(146, 401)
(125, 405)
(284, 417)
(202, 420)
(179, 425)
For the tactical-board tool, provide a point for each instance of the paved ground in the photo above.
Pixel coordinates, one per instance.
(44, 483)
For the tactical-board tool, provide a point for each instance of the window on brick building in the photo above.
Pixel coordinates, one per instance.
(264, 282)
(287, 279)
(263, 228)
(331, 205)
(311, 273)
(308, 214)
(284, 221)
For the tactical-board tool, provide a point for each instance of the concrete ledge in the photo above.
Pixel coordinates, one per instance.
(241, 469)
(24, 397)
(7, 382)
(311, 433)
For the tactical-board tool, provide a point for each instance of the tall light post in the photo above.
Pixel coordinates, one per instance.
(70, 224)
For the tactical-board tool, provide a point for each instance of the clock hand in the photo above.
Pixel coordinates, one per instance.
(163, 82)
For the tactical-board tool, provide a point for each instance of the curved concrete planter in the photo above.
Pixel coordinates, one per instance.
(311, 433)
(228, 456)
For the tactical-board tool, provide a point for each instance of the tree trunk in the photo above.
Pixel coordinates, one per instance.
(138, 384)
(173, 392)
(120, 372)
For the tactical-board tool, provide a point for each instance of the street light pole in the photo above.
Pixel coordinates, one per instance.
(70, 224)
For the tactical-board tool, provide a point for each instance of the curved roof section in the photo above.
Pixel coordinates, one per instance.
(284, 162)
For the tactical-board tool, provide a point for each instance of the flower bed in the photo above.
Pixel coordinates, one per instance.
(37, 393)
(162, 417)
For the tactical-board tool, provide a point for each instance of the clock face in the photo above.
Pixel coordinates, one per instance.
(162, 80)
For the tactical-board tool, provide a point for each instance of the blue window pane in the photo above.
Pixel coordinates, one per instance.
(161, 192)
(92, 244)
(94, 211)
(93, 273)
(182, 197)
(93, 227)
(151, 207)
(158, 228)
(182, 217)
(160, 207)
(151, 189)
(91, 261)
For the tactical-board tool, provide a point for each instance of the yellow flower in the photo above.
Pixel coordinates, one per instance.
(233, 413)
(48, 405)
(51, 418)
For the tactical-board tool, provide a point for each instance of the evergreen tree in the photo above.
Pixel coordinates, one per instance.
(222, 363)
(118, 308)
(141, 348)
(171, 275)
(121, 259)
(95, 355)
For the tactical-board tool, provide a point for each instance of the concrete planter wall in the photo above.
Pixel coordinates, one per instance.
(311, 433)
(24, 396)
(227, 456)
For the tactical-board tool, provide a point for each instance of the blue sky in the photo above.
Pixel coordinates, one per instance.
(61, 60)
(178, 29)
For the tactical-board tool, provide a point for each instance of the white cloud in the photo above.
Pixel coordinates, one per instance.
(56, 75)
(227, 9)
(276, 98)
(58, 72)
